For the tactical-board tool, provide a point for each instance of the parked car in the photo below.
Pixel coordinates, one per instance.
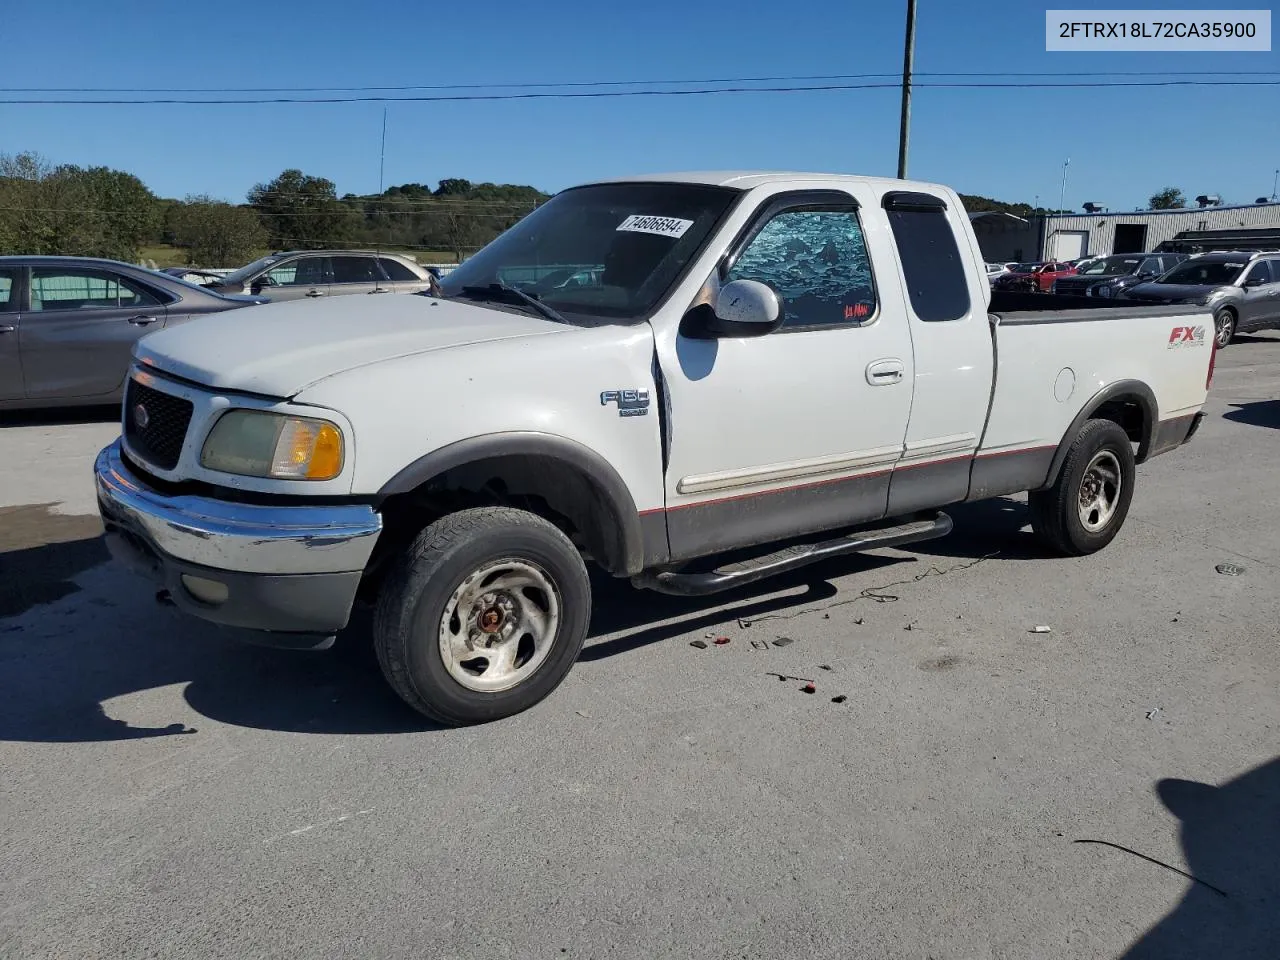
(1033, 276)
(1108, 276)
(201, 278)
(995, 271)
(68, 325)
(1241, 289)
(326, 273)
(460, 459)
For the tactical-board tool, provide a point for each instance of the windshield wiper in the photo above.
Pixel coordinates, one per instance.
(488, 292)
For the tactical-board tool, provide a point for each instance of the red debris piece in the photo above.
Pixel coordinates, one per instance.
(720, 641)
(810, 688)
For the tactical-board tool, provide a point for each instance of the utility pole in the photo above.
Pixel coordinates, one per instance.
(382, 152)
(1274, 182)
(1062, 197)
(908, 60)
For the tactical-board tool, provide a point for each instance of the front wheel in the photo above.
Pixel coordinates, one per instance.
(483, 616)
(1224, 327)
(1086, 506)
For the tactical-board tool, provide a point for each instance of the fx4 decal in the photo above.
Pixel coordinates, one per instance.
(631, 403)
(1186, 336)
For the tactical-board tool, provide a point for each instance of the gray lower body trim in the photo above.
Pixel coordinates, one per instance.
(928, 486)
(744, 521)
(1015, 471)
(1171, 434)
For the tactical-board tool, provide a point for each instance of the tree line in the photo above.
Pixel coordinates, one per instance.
(67, 210)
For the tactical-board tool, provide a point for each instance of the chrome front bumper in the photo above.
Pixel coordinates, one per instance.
(281, 568)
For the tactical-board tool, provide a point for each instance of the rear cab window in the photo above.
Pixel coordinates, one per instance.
(937, 283)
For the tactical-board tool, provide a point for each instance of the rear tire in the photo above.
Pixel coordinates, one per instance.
(1086, 506)
(1224, 326)
(483, 616)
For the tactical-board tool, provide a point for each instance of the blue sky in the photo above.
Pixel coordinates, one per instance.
(1008, 144)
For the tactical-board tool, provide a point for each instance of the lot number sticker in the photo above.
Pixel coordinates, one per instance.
(662, 226)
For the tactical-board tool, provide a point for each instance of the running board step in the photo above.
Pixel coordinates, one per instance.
(733, 575)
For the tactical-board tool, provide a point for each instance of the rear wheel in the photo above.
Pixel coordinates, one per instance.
(1224, 326)
(483, 616)
(1086, 506)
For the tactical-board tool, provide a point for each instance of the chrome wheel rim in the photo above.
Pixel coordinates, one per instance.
(1225, 325)
(1100, 491)
(499, 625)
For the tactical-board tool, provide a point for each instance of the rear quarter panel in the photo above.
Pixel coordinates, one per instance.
(1050, 366)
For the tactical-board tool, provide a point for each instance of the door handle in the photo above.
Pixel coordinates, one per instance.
(315, 293)
(881, 373)
(7, 329)
(142, 321)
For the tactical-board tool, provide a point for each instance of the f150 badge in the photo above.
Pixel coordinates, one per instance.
(1186, 336)
(631, 403)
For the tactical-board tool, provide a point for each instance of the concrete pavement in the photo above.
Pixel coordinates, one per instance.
(171, 792)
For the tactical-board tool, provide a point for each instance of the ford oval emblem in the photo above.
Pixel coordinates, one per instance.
(140, 417)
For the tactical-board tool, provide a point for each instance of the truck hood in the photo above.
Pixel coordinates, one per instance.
(279, 349)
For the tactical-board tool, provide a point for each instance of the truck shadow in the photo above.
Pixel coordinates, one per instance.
(1001, 525)
(76, 634)
(1231, 840)
(1262, 413)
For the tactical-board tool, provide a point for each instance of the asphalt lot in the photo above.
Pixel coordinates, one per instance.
(170, 792)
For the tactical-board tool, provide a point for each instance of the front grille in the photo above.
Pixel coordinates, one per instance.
(155, 424)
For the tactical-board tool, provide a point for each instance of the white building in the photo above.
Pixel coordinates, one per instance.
(1003, 236)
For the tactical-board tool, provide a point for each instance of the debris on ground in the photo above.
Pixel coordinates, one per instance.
(759, 644)
(911, 625)
(840, 699)
(709, 636)
(1229, 569)
(1151, 714)
(720, 641)
(583, 715)
(858, 621)
(785, 676)
(810, 687)
(1041, 629)
(700, 644)
(782, 641)
(825, 666)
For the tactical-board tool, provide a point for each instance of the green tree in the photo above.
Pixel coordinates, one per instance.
(73, 211)
(1170, 198)
(454, 187)
(217, 234)
(303, 212)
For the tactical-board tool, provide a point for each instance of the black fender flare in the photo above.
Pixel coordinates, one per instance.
(599, 472)
(1134, 389)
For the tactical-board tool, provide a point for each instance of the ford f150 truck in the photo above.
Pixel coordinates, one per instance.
(692, 381)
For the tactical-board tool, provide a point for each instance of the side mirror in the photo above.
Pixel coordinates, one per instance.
(746, 308)
(1254, 282)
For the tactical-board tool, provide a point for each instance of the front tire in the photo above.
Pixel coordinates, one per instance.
(483, 616)
(1086, 506)
(1224, 327)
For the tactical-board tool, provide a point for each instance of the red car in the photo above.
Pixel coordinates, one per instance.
(1034, 276)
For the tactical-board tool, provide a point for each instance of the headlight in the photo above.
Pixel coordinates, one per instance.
(256, 443)
(1105, 291)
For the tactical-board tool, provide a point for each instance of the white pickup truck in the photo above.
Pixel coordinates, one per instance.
(643, 374)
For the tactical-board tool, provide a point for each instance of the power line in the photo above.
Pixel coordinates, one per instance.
(569, 84)
(611, 94)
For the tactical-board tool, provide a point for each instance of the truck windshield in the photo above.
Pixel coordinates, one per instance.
(1204, 273)
(609, 250)
(1111, 267)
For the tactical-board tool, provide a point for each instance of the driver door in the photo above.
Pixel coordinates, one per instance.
(797, 431)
